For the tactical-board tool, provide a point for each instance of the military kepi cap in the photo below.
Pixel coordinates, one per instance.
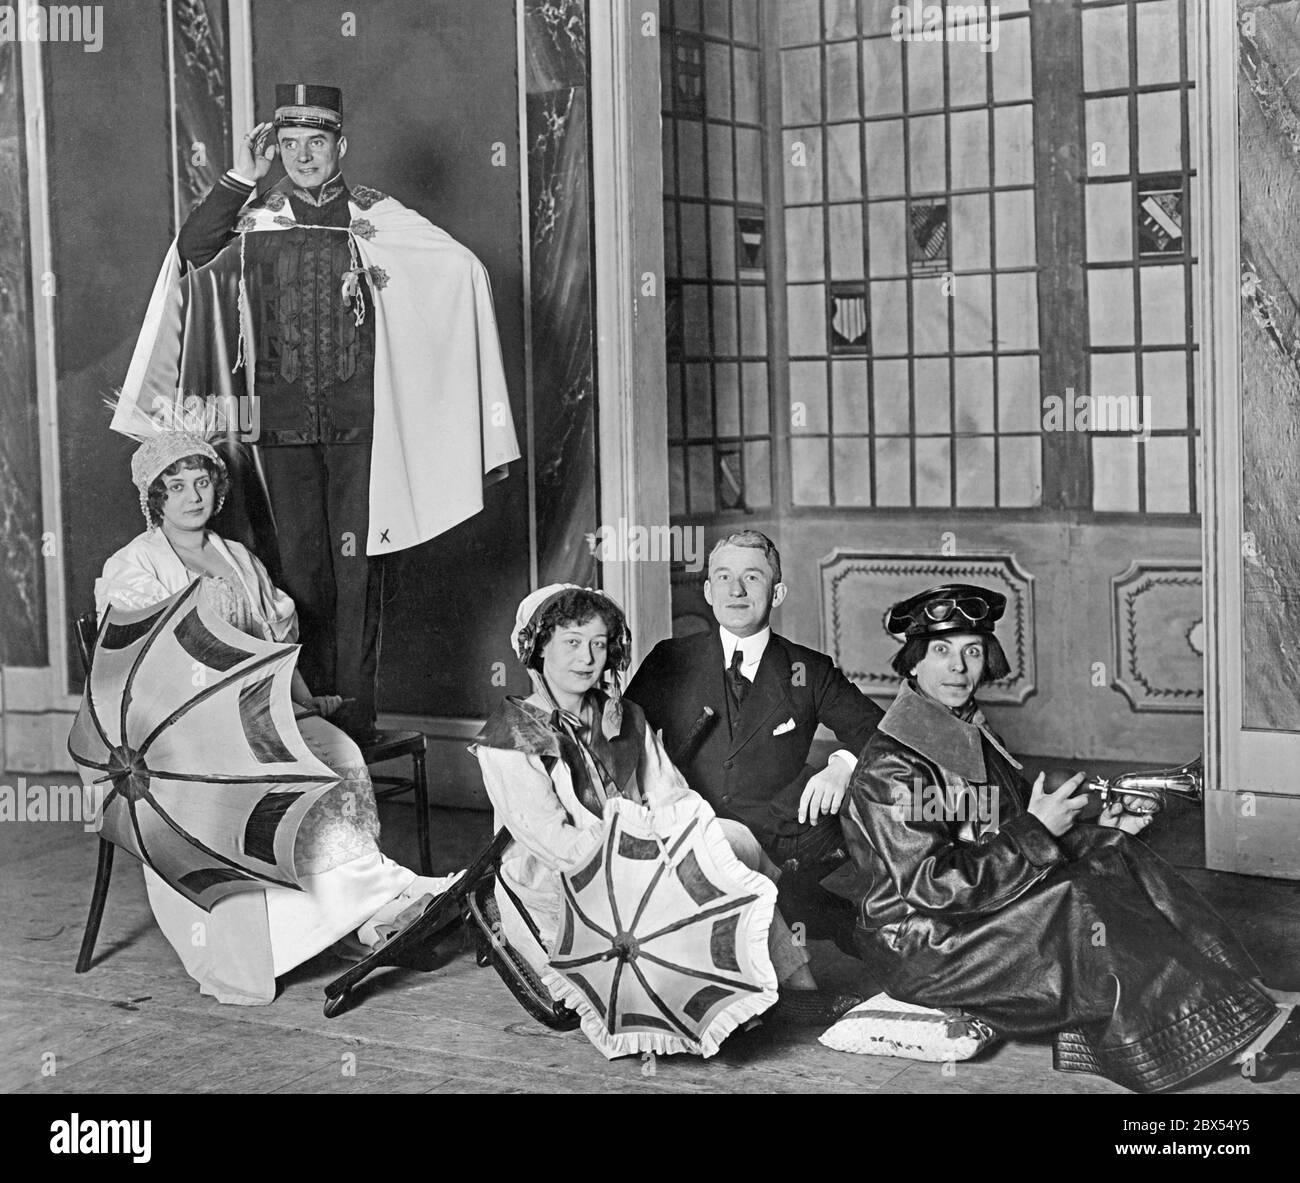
(299, 105)
(951, 608)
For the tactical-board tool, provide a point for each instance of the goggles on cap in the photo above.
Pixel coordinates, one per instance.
(973, 608)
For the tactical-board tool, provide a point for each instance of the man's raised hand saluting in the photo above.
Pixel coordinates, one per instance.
(254, 153)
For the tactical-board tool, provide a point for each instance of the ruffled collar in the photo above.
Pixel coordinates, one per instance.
(952, 742)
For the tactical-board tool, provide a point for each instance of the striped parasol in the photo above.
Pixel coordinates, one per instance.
(187, 733)
(663, 942)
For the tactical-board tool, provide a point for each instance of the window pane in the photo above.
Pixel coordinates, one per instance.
(842, 81)
(884, 159)
(758, 474)
(887, 254)
(726, 395)
(1019, 405)
(808, 398)
(749, 166)
(929, 316)
(746, 98)
(846, 251)
(930, 383)
(1160, 132)
(967, 73)
(699, 402)
(849, 397)
(717, 80)
(694, 257)
(933, 472)
(891, 395)
(843, 162)
(803, 164)
(970, 149)
(807, 313)
(1110, 306)
(721, 166)
(800, 21)
(690, 157)
(927, 143)
(1163, 310)
(756, 398)
(1114, 475)
(972, 298)
(1021, 471)
(882, 76)
(1157, 38)
(852, 471)
(974, 395)
(810, 471)
(893, 472)
(1105, 48)
(695, 319)
(1110, 222)
(726, 343)
(889, 317)
(1014, 145)
(804, 243)
(1017, 295)
(1015, 223)
(1164, 382)
(970, 231)
(841, 18)
(1167, 476)
(753, 320)
(801, 85)
(975, 471)
(924, 75)
(676, 480)
(1106, 122)
(722, 241)
(1011, 66)
(702, 478)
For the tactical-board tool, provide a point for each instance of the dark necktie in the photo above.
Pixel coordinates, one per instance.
(737, 683)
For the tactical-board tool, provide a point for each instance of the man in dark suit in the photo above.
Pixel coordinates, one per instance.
(749, 760)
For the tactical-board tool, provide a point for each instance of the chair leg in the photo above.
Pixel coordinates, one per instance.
(422, 814)
(97, 900)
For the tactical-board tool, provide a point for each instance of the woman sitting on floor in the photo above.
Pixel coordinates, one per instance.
(977, 894)
(569, 638)
(350, 889)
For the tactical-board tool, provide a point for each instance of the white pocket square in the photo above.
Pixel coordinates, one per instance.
(788, 725)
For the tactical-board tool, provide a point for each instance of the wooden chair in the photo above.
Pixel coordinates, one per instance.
(388, 745)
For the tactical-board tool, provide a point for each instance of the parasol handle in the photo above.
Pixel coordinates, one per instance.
(695, 736)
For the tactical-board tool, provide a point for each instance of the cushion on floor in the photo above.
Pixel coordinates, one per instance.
(883, 1026)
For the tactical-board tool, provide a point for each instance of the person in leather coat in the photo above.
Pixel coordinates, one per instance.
(977, 893)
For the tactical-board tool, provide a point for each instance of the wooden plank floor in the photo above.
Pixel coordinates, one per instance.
(136, 1022)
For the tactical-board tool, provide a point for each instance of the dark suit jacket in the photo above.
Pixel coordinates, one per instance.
(742, 769)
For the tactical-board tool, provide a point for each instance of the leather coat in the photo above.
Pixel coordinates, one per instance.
(966, 900)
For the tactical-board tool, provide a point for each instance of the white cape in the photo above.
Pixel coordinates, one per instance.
(442, 422)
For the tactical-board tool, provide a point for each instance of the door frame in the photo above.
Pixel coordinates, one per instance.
(1252, 821)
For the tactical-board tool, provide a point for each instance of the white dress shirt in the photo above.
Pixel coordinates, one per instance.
(752, 650)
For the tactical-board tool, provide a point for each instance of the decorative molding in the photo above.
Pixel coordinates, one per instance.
(1156, 607)
(858, 586)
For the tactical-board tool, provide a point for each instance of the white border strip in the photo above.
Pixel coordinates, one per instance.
(44, 294)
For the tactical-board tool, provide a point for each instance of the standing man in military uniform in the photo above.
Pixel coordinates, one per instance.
(368, 343)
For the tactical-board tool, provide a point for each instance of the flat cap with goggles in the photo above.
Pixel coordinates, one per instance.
(952, 608)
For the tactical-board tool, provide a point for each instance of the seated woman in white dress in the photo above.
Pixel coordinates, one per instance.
(236, 951)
